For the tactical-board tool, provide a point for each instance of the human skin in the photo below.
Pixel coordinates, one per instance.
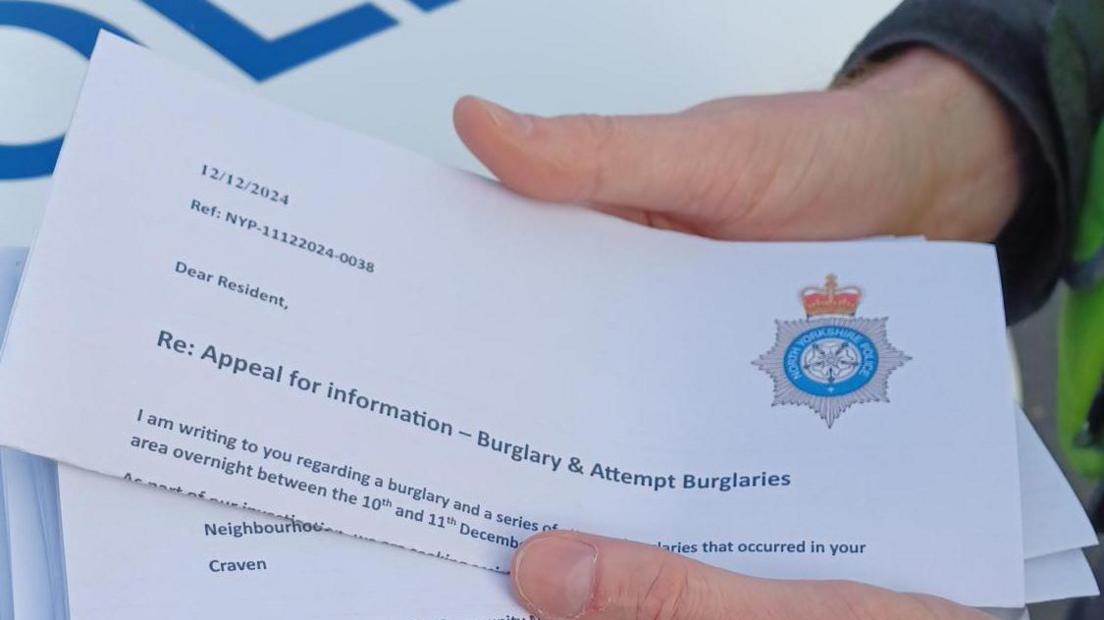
(917, 145)
(572, 575)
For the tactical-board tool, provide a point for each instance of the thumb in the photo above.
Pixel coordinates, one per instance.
(738, 168)
(626, 160)
(669, 164)
(569, 575)
(920, 145)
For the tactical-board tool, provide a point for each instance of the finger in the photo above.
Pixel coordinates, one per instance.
(562, 575)
(662, 163)
(738, 168)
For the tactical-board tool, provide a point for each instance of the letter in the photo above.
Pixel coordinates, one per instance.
(568, 351)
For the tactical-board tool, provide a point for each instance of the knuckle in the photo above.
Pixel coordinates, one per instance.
(859, 601)
(853, 600)
(601, 132)
(724, 179)
(601, 129)
(667, 594)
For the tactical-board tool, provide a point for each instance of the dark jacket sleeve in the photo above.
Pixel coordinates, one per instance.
(1075, 64)
(1004, 42)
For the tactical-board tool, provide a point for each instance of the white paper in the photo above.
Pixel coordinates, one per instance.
(35, 575)
(1053, 517)
(110, 526)
(112, 574)
(30, 569)
(181, 559)
(5, 554)
(1061, 575)
(577, 334)
(38, 572)
(137, 553)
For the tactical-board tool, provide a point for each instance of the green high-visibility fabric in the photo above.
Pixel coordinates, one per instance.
(1081, 333)
(1076, 71)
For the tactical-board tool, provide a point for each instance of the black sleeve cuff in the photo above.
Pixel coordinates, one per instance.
(1004, 43)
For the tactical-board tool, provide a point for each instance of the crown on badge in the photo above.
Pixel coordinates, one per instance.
(832, 299)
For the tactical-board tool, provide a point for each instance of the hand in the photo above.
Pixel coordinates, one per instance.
(916, 146)
(562, 575)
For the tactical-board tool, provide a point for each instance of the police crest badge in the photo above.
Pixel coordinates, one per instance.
(831, 360)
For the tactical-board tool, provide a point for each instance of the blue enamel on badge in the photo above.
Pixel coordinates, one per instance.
(831, 360)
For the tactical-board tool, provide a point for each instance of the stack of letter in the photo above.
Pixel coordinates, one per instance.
(246, 340)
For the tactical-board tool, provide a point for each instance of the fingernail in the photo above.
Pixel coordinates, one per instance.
(555, 575)
(508, 120)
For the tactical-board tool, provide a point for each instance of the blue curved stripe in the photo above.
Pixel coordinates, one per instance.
(74, 28)
(263, 58)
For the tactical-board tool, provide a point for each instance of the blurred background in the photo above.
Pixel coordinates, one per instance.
(393, 68)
